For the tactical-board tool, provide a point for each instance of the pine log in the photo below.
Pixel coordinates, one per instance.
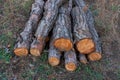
(82, 36)
(96, 55)
(45, 25)
(70, 60)
(83, 58)
(25, 38)
(62, 31)
(54, 55)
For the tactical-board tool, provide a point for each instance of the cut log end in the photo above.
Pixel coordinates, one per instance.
(95, 56)
(86, 46)
(35, 52)
(70, 66)
(21, 51)
(63, 44)
(53, 61)
(36, 48)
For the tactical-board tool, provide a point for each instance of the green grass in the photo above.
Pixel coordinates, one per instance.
(115, 8)
(44, 56)
(3, 76)
(5, 52)
(93, 75)
(4, 56)
(26, 6)
(118, 74)
(27, 75)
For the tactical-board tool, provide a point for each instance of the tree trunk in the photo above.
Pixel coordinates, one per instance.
(54, 55)
(82, 36)
(45, 25)
(62, 31)
(96, 55)
(25, 38)
(70, 60)
(83, 58)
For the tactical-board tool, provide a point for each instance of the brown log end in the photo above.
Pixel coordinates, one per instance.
(53, 61)
(35, 51)
(63, 44)
(36, 48)
(70, 66)
(86, 46)
(95, 56)
(21, 51)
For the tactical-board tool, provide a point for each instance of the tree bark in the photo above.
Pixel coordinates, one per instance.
(25, 38)
(62, 31)
(45, 25)
(83, 58)
(54, 55)
(82, 36)
(70, 60)
(96, 55)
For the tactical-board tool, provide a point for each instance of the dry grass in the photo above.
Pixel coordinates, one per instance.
(109, 18)
(14, 14)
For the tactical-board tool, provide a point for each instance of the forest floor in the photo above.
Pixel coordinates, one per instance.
(13, 16)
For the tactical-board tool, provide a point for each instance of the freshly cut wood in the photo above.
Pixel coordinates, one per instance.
(25, 38)
(36, 47)
(96, 55)
(83, 58)
(82, 36)
(70, 60)
(54, 55)
(62, 31)
(45, 25)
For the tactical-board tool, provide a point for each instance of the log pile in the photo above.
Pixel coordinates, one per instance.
(73, 33)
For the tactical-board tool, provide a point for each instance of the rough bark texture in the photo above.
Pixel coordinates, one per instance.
(25, 38)
(70, 60)
(54, 55)
(45, 25)
(50, 14)
(62, 31)
(96, 55)
(82, 35)
(83, 58)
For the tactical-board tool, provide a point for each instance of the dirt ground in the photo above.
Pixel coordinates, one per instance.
(13, 16)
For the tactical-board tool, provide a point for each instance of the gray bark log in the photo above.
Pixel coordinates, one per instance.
(62, 27)
(90, 21)
(25, 37)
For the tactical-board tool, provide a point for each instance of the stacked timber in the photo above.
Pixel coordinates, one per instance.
(73, 35)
